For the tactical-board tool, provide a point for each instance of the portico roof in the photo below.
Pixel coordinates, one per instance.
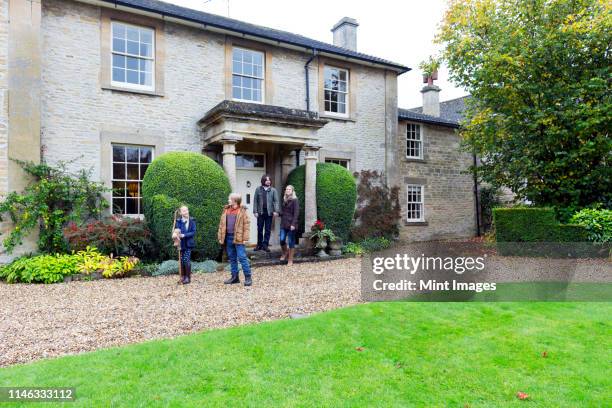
(233, 120)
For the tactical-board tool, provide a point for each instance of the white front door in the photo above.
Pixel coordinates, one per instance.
(250, 167)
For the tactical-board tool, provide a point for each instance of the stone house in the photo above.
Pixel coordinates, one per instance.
(111, 84)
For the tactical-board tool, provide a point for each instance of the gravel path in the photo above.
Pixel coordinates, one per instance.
(39, 321)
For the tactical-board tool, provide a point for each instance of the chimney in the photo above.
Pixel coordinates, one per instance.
(431, 100)
(345, 33)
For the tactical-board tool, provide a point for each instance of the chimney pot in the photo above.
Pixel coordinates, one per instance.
(345, 33)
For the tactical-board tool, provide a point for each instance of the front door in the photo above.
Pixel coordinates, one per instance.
(250, 167)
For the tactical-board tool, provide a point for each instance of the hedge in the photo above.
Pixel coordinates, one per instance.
(186, 178)
(336, 196)
(536, 232)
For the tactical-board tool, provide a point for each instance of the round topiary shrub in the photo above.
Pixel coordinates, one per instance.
(336, 196)
(186, 178)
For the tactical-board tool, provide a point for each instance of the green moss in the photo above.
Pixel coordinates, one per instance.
(336, 196)
(185, 178)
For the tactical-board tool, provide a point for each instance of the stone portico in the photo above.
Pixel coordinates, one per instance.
(278, 134)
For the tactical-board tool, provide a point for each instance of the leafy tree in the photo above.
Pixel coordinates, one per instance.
(539, 72)
(53, 198)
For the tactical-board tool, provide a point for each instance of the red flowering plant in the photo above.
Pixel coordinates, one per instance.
(112, 235)
(321, 235)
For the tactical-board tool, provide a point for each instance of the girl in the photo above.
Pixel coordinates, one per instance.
(185, 229)
(289, 223)
(234, 228)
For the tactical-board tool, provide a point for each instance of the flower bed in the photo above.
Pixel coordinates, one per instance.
(47, 268)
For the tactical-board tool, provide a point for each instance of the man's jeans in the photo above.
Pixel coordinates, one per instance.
(236, 253)
(264, 221)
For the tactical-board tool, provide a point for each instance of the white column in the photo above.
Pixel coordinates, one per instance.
(310, 194)
(229, 161)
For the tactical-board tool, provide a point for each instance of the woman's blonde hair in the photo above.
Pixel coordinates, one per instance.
(236, 197)
(293, 195)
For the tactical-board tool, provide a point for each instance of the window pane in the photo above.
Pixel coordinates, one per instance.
(118, 189)
(236, 94)
(132, 172)
(132, 34)
(146, 65)
(146, 36)
(247, 69)
(237, 67)
(132, 189)
(118, 30)
(146, 154)
(119, 171)
(132, 206)
(132, 77)
(119, 61)
(342, 75)
(132, 63)
(118, 74)
(143, 170)
(118, 153)
(133, 48)
(118, 206)
(246, 94)
(118, 45)
(132, 154)
(257, 96)
(146, 50)
(236, 80)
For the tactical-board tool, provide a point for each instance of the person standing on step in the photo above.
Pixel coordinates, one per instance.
(185, 229)
(234, 228)
(289, 221)
(265, 207)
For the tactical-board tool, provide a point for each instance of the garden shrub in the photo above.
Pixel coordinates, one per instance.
(535, 231)
(188, 178)
(525, 224)
(378, 208)
(375, 244)
(336, 196)
(112, 235)
(53, 268)
(597, 222)
(52, 199)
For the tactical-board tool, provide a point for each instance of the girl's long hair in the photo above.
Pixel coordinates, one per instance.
(293, 195)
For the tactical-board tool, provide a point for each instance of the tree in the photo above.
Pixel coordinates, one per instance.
(539, 72)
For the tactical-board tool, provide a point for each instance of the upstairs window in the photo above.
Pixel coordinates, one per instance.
(133, 56)
(247, 75)
(336, 86)
(414, 141)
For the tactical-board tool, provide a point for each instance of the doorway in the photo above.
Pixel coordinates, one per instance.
(250, 167)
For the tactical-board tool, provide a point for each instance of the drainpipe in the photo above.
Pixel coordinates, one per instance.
(476, 198)
(314, 54)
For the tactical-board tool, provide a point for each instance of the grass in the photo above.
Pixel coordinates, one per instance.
(413, 354)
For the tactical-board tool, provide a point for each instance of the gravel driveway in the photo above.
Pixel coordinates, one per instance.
(38, 321)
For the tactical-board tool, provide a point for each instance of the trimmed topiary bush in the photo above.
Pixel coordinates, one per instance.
(524, 224)
(336, 196)
(186, 178)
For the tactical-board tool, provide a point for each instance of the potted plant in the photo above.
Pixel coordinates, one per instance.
(321, 236)
(430, 69)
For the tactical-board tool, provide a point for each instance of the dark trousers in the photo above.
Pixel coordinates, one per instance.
(264, 226)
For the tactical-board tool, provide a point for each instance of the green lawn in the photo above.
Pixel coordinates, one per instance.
(414, 354)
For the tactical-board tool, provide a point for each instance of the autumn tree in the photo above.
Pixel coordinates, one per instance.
(540, 73)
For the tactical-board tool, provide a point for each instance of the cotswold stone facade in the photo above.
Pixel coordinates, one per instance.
(306, 101)
(443, 173)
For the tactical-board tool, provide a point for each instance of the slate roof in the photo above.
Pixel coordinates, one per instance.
(451, 113)
(207, 19)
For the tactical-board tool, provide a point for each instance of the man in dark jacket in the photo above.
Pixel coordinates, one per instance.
(265, 207)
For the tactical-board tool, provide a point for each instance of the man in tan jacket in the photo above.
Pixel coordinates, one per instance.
(234, 228)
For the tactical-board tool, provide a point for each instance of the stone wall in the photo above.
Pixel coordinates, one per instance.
(448, 186)
(76, 110)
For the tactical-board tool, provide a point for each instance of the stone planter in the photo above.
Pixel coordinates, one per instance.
(321, 251)
(335, 247)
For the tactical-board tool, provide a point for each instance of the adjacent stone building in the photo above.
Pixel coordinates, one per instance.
(110, 85)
